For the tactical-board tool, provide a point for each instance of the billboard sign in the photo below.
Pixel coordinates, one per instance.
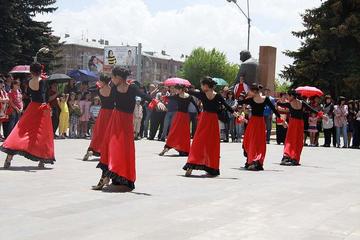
(124, 56)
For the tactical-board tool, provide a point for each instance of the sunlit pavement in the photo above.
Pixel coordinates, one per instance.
(318, 200)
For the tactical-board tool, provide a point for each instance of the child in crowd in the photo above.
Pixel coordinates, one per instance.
(94, 112)
(75, 114)
(313, 119)
(138, 115)
(240, 123)
(64, 115)
(84, 104)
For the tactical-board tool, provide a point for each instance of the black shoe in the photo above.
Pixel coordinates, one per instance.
(284, 160)
(258, 166)
(183, 154)
(246, 165)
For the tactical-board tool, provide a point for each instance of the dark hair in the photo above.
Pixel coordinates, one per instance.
(179, 87)
(62, 95)
(111, 52)
(254, 87)
(1, 81)
(209, 82)
(15, 82)
(341, 98)
(105, 79)
(293, 93)
(35, 68)
(282, 94)
(121, 72)
(230, 93)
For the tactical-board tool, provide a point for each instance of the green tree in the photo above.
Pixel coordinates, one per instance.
(208, 63)
(329, 54)
(21, 36)
(281, 87)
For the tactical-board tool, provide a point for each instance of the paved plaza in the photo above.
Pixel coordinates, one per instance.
(319, 200)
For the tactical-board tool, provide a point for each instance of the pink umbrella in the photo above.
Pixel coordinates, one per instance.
(177, 81)
(309, 91)
(21, 69)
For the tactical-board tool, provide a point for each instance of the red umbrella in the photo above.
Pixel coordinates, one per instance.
(21, 69)
(177, 81)
(309, 91)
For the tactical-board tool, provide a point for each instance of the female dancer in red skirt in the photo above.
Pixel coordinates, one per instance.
(33, 137)
(254, 143)
(294, 141)
(117, 159)
(205, 150)
(179, 135)
(107, 107)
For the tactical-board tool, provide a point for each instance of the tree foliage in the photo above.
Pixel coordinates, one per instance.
(211, 63)
(21, 36)
(282, 86)
(329, 56)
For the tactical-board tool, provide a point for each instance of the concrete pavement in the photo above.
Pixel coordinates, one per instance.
(319, 200)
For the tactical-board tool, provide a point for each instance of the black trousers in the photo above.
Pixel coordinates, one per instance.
(327, 135)
(356, 137)
(280, 134)
(6, 129)
(55, 118)
(156, 123)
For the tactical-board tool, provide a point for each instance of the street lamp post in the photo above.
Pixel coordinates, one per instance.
(247, 17)
(41, 50)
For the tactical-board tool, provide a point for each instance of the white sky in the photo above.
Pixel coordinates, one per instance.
(178, 26)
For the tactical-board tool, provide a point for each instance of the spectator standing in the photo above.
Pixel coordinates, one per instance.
(268, 114)
(351, 118)
(171, 111)
(16, 104)
(84, 104)
(8, 82)
(138, 115)
(75, 114)
(152, 93)
(158, 116)
(64, 115)
(70, 87)
(230, 125)
(55, 111)
(356, 141)
(318, 107)
(193, 115)
(94, 112)
(240, 122)
(4, 104)
(341, 112)
(328, 122)
(281, 128)
(313, 120)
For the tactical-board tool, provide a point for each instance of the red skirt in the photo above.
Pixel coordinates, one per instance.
(118, 153)
(294, 141)
(205, 149)
(254, 143)
(98, 135)
(32, 137)
(179, 135)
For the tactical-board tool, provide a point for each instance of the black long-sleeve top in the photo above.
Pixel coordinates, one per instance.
(183, 103)
(125, 102)
(39, 96)
(212, 105)
(297, 113)
(107, 102)
(257, 109)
